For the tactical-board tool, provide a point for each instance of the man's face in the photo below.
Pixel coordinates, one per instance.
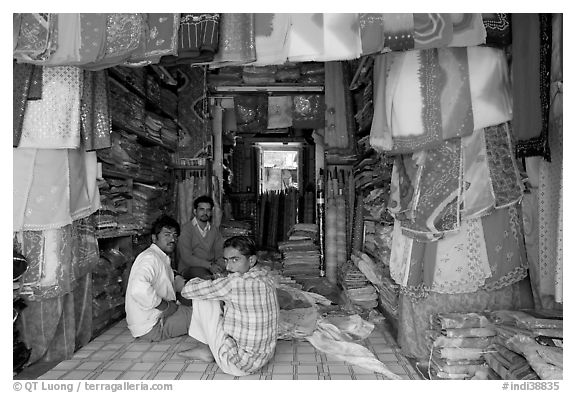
(236, 262)
(166, 239)
(203, 212)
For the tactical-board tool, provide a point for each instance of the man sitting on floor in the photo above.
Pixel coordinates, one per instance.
(151, 310)
(241, 335)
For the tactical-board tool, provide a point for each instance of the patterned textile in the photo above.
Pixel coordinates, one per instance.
(21, 81)
(37, 37)
(414, 317)
(124, 35)
(309, 111)
(478, 197)
(54, 121)
(57, 258)
(498, 29)
(432, 30)
(271, 34)
(251, 112)
(456, 90)
(539, 145)
(93, 36)
(398, 32)
(68, 44)
(279, 112)
(371, 33)
(485, 254)
(53, 187)
(237, 40)
(425, 191)
(250, 315)
(458, 320)
(380, 133)
(504, 175)
(95, 125)
(198, 37)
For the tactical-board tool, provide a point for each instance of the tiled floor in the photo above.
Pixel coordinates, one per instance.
(115, 355)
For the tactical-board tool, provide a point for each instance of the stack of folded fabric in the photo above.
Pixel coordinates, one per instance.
(458, 343)
(149, 204)
(357, 287)
(300, 258)
(135, 77)
(287, 73)
(169, 133)
(379, 275)
(152, 89)
(114, 215)
(312, 73)
(153, 124)
(169, 102)
(129, 109)
(303, 231)
(264, 75)
(225, 76)
(230, 228)
(535, 335)
(508, 364)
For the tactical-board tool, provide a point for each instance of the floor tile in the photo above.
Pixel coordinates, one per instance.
(166, 376)
(306, 369)
(196, 367)
(249, 377)
(130, 355)
(113, 346)
(118, 366)
(77, 374)
(302, 377)
(175, 367)
(108, 375)
(195, 376)
(365, 376)
(102, 355)
(340, 376)
(133, 375)
(360, 370)
(283, 357)
(283, 369)
(222, 376)
(338, 369)
(307, 357)
(90, 365)
(53, 374)
(67, 365)
(282, 376)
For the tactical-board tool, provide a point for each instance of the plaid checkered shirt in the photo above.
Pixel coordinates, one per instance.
(250, 317)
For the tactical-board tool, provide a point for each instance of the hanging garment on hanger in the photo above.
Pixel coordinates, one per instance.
(53, 122)
(398, 32)
(371, 33)
(271, 38)
(160, 38)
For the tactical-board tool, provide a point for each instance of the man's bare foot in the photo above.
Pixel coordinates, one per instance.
(201, 352)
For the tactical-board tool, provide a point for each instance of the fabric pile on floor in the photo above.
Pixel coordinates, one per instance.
(457, 344)
(529, 344)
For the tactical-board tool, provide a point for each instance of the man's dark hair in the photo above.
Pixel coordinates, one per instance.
(165, 222)
(203, 199)
(244, 244)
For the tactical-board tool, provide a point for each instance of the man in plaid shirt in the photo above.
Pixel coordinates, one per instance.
(241, 335)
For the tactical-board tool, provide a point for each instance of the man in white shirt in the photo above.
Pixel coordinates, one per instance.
(151, 309)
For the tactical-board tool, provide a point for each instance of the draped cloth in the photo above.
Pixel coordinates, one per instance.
(37, 37)
(324, 37)
(237, 40)
(53, 122)
(487, 254)
(453, 90)
(58, 289)
(271, 38)
(95, 125)
(539, 145)
(53, 187)
(160, 38)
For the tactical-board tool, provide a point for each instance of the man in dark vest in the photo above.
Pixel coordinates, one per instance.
(200, 246)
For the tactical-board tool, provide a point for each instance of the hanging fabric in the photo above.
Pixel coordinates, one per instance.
(53, 122)
(95, 125)
(237, 41)
(271, 34)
